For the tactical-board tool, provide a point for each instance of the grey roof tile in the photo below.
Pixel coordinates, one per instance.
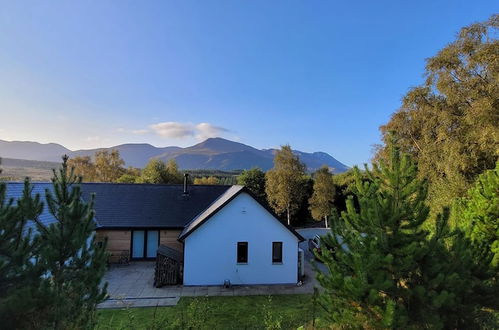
(149, 205)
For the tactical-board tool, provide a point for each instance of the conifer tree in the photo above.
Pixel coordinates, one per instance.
(387, 270)
(74, 263)
(321, 202)
(19, 272)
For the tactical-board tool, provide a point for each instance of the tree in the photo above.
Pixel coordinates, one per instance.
(321, 202)
(478, 212)
(450, 124)
(207, 180)
(84, 167)
(153, 172)
(19, 272)
(254, 180)
(131, 175)
(386, 270)
(108, 165)
(173, 175)
(74, 263)
(156, 171)
(283, 183)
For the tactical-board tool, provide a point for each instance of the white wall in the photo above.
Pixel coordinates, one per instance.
(210, 252)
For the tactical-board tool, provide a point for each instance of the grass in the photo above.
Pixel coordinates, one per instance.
(241, 312)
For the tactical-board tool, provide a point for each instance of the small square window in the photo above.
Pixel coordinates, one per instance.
(277, 252)
(242, 252)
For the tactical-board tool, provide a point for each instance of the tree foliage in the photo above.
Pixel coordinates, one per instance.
(450, 124)
(207, 180)
(108, 166)
(283, 183)
(254, 180)
(159, 172)
(321, 202)
(19, 274)
(73, 262)
(84, 167)
(386, 270)
(478, 212)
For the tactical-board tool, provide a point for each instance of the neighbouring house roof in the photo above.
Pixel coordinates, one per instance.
(219, 203)
(149, 205)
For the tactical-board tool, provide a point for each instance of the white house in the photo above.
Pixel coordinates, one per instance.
(239, 240)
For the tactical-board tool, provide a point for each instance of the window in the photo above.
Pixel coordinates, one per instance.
(276, 252)
(242, 252)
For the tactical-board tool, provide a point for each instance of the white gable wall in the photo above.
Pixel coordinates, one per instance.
(210, 252)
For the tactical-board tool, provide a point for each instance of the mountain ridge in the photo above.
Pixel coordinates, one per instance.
(213, 153)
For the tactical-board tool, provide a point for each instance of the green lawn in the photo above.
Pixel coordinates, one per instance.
(247, 312)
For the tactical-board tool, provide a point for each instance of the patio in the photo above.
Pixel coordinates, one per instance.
(132, 286)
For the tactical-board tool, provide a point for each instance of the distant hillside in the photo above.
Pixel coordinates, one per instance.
(212, 154)
(32, 150)
(18, 169)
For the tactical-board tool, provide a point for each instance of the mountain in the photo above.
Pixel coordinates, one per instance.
(213, 153)
(134, 154)
(32, 150)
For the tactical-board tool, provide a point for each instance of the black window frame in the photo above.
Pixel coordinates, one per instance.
(242, 253)
(277, 259)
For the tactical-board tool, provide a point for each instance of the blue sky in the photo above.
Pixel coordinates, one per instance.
(319, 75)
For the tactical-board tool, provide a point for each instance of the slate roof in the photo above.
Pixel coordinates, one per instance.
(218, 204)
(134, 205)
(149, 205)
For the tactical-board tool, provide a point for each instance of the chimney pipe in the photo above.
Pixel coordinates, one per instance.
(186, 175)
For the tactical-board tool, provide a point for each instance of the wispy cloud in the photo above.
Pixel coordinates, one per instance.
(178, 130)
(173, 130)
(206, 130)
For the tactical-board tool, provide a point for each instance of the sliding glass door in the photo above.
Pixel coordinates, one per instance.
(144, 243)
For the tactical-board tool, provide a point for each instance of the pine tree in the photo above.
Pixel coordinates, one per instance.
(321, 202)
(19, 272)
(387, 270)
(284, 182)
(73, 261)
